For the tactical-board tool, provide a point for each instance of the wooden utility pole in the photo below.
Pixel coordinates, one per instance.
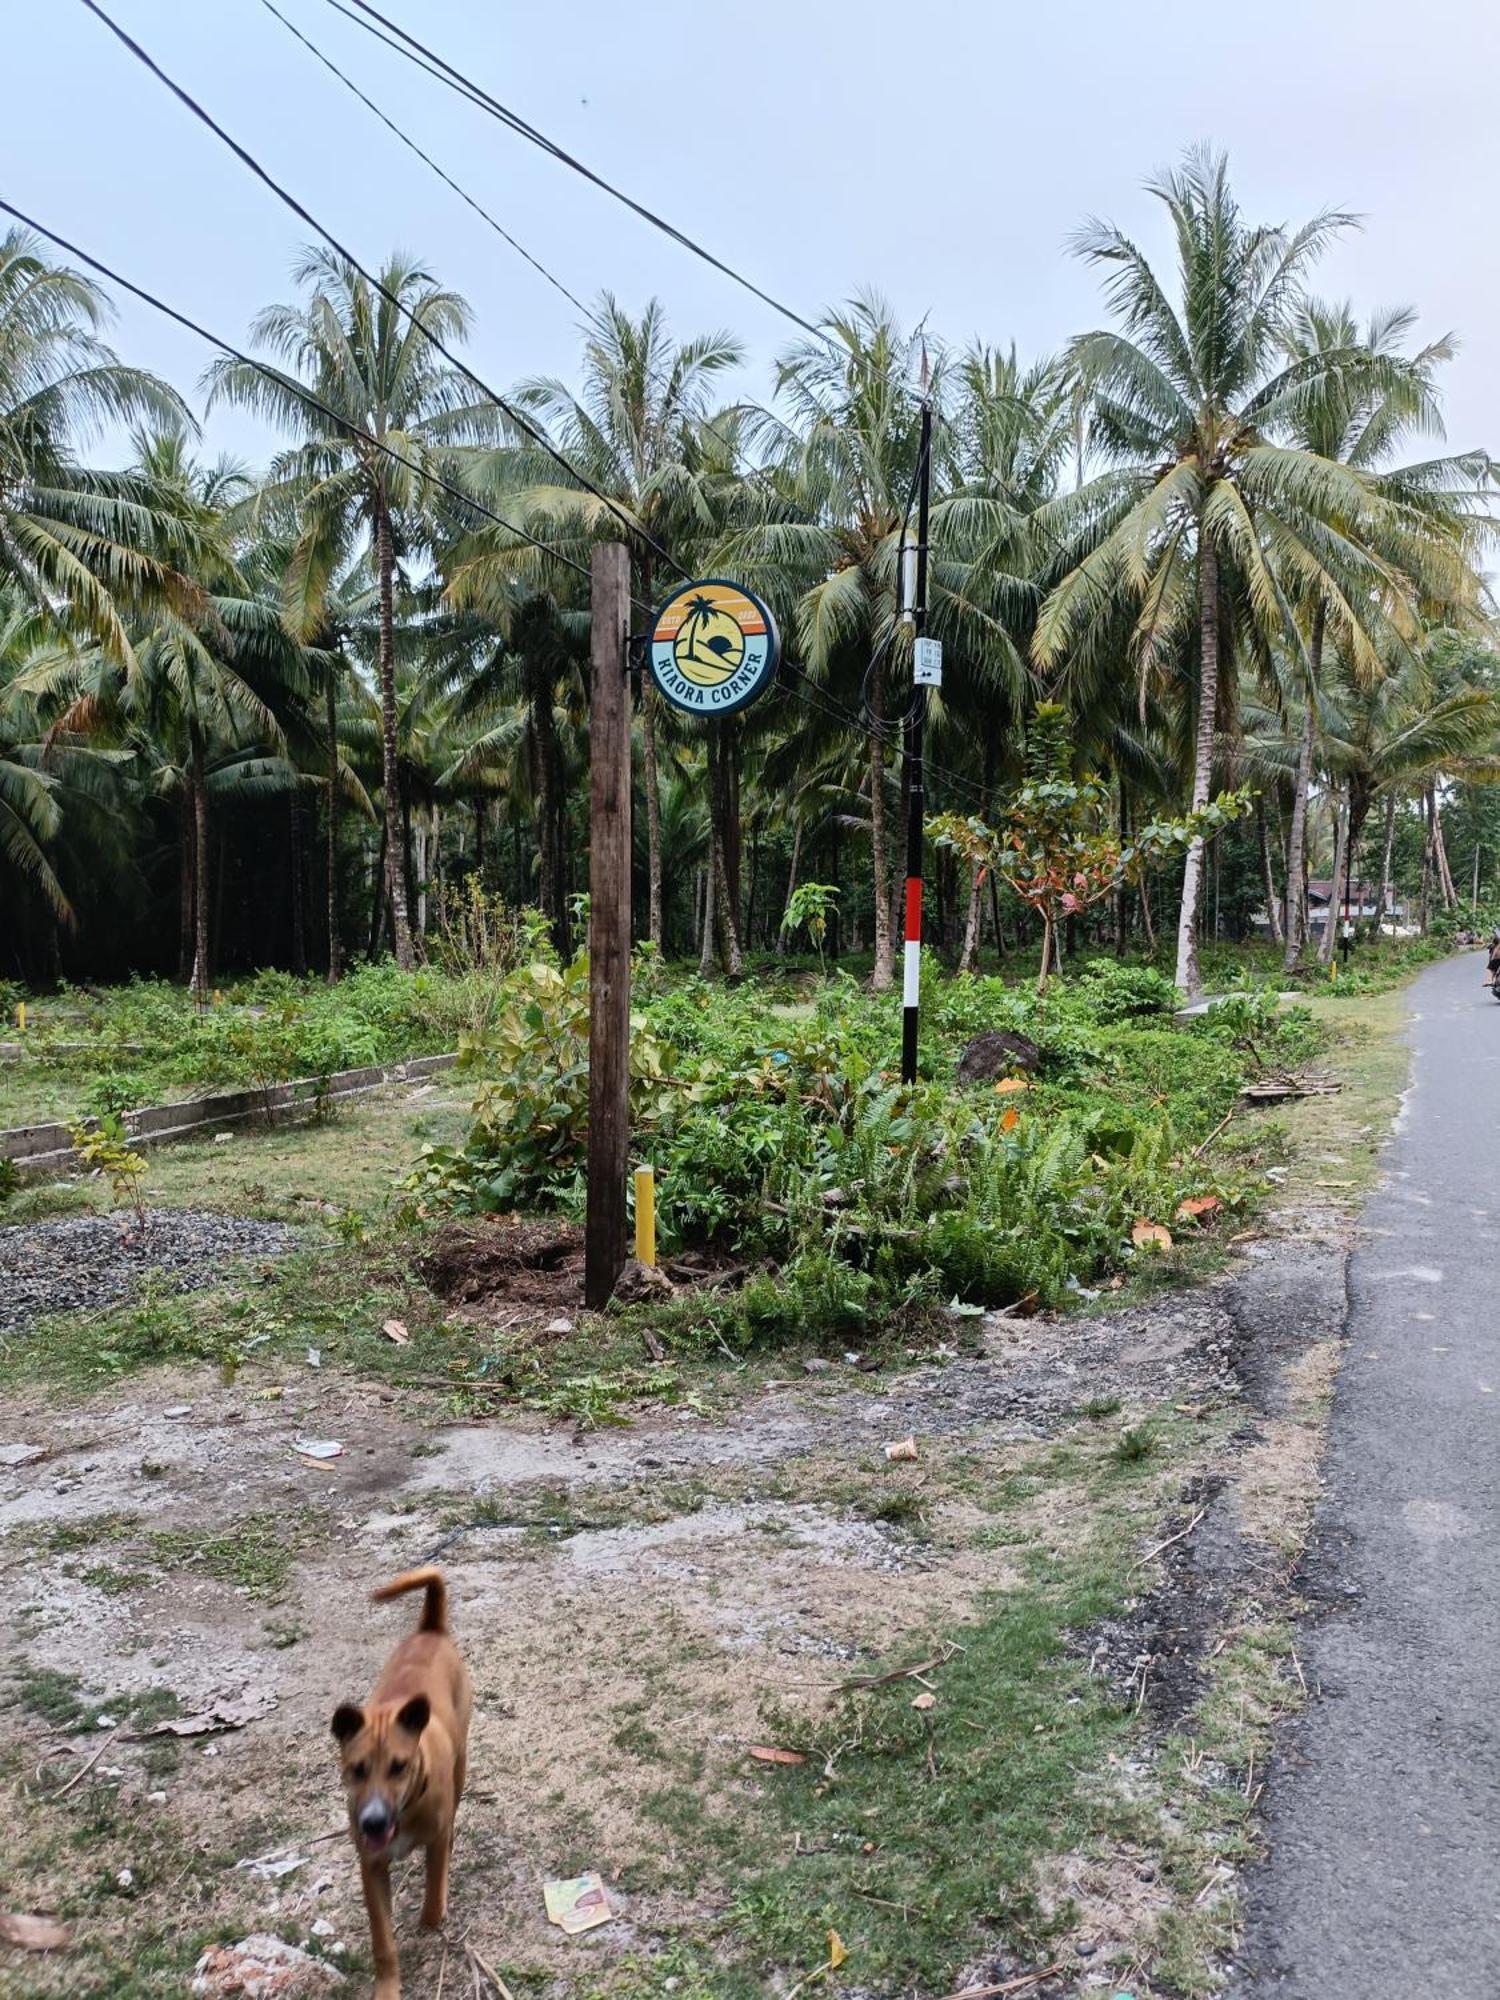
(609, 925)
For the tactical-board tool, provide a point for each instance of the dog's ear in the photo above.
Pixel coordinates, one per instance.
(347, 1721)
(415, 1716)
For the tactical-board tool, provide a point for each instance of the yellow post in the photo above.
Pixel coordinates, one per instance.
(21, 1015)
(645, 1217)
(1333, 970)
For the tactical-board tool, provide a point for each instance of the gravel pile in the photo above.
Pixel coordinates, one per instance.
(83, 1263)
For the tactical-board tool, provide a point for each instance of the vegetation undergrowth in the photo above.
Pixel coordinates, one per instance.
(780, 1133)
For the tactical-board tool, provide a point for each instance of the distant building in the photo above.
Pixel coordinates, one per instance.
(1364, 903)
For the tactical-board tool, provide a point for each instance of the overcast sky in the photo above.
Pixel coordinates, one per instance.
(942, 153)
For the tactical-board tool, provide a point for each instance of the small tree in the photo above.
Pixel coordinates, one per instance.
(811, 904)
(1057, 848)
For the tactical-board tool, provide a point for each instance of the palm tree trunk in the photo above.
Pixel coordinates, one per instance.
(783, 936)
(331, 724)
(395, 850)
(1267, 872)
(1122, 892)
(200, 872)
(722, 828)
(1296, 840)
(297, 885)
(706, 945)
(1340, 862)
(551, 809)
(1440, 852)
(885, 956)
(186, 869)
(1189, 978)
(653, 813)
(1387, 885)
(378, 895)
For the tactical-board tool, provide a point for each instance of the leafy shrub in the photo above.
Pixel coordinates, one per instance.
(531, 1106)
(1116, 992)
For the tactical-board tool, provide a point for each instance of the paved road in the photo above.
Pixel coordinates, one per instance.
(1383, 1879)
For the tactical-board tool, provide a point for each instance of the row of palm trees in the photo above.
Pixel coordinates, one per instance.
(1203, 525)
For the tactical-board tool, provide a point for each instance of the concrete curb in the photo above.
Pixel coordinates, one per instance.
(49, 1148)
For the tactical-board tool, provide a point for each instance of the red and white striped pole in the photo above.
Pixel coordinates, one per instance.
(926, 672)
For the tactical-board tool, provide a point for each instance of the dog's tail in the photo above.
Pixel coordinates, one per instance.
(435, 1611)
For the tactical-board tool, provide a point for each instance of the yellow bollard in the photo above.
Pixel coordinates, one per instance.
(1333, 970)
(21, 1015)
(645, 1217)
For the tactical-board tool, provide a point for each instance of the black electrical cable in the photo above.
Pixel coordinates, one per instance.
(248, 159)
(435, 64)
(412, 146)
(289, 383)
(735, 451)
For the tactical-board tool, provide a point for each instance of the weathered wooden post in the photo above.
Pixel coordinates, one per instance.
(609, 925)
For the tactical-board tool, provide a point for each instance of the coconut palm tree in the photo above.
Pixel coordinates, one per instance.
(78, 545)
(1359, 416)
(363, 477)
(1209, 518)
(630, 429)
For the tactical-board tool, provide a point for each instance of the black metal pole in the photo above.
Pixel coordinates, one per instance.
(911, 976)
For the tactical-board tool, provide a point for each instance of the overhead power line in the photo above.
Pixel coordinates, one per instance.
(408, 45)
(289, 383)
(304, 214)
(443, 175)
(737, 453)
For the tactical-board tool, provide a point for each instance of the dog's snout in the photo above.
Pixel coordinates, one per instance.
(375, 1819)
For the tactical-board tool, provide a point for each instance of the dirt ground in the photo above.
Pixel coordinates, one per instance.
(659, 1580)
(643, 1604)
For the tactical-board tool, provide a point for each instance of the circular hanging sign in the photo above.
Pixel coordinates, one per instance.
(713, 647)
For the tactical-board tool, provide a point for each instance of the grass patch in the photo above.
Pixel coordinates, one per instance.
(255, 1556)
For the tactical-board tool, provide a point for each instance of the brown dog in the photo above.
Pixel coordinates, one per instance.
(404, 1754)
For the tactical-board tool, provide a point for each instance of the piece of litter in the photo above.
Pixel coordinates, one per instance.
(33, 1933)
(125, 1879)
(764, 1753)
(156, 1798)
(21, 1454)
(222, 1715)
(958, 1309)
(395, 1329)
(319, 1448)
(924, 1701)
(577, 1904)
(271, 1867)
(314, 1357)
(104, 1722)
(322, 1928)
(559, 1326)
(179, 1410)
(904, 1448)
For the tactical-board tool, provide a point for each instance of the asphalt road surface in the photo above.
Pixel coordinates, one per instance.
(1383, 1875)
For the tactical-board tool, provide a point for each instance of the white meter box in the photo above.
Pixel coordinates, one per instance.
(927, 663)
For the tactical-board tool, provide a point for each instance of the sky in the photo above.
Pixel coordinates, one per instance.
(942, 154)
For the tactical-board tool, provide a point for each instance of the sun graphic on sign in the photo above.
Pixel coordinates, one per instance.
(710, 644)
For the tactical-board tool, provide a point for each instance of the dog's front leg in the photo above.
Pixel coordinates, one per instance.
(435, 1901)
(376, 1883)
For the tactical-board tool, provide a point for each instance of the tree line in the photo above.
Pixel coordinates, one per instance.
(280, 715)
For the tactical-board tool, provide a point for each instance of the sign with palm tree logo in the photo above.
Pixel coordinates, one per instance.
(713, 647)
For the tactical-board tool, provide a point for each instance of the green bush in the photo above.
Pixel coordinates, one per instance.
(1119, 992)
